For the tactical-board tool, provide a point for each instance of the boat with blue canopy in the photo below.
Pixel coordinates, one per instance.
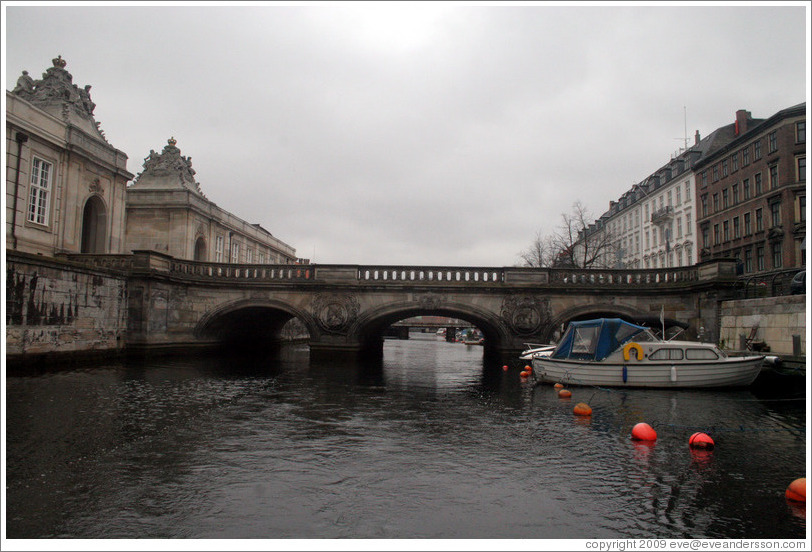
(615, 353)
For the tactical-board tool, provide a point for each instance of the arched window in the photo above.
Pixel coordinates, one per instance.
(94, 226)
(200, 249)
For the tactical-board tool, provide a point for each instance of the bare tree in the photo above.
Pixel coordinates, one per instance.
(579, 242)
(540, 253)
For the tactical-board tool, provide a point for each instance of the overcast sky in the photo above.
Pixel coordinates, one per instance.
(428, 133)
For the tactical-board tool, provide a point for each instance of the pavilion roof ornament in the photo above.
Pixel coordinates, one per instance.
(56, 93)
(170, 163)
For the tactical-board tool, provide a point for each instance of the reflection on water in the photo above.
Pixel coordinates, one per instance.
(431, 442)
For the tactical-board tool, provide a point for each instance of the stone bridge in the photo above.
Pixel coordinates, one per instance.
(346, 308)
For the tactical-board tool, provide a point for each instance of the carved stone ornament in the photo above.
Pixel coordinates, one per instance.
(95, 187)
(171, 163)
(56, 87)
(335, 312)
(525, 314)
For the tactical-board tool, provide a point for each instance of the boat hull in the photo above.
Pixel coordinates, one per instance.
(733, 372)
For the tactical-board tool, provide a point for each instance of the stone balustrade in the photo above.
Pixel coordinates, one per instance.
(399, 275)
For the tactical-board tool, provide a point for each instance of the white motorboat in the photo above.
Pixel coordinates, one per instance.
(614, 353)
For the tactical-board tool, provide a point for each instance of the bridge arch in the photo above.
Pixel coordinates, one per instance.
(250, 323)
(368, 329)
(583, 312)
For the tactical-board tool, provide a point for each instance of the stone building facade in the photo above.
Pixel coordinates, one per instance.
(65, 183)
(653, 225)
(167, 212)
(752, 195)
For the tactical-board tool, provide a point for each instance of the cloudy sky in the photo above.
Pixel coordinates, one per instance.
(428, 133)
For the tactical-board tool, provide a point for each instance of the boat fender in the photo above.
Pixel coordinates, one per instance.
(625, 373)
(628, 347)
(673, 374)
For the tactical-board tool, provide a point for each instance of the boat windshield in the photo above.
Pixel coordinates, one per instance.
(596, 339)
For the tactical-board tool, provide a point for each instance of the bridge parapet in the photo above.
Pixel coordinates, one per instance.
(154, 262)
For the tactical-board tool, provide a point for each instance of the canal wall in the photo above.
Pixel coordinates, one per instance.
(56, 309)
(777, 323)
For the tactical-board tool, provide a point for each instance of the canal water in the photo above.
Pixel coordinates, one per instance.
(431, 442)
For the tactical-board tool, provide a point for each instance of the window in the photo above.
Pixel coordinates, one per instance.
(666, 354)
(669, 198)
(800, 131)
(726, 230)
(772, 142)
(704, 178)
(40, 194)
(746, 188)
(747, 228)
(715, 234)
(679, 195)
(715, 203)
(218, 249)
(800, 163)
(775, 213)
(745, 157)
(689, 260)
(778, 256)
(748, 260)
(648, 243)
(687, 191)
(760, 258)
(802, 206)
(705, 237)
(261, 257)
(773, 177)
(757, 183)
(734, 162)
(759, 220)
(736, 228)
(704, 201)
(688, 224)
(735, 194)
(757, 149)
(679, 227)
(715, 172)
(700, 354)
(724, 168)
(235, 252)
(249, 256)
(725, 201)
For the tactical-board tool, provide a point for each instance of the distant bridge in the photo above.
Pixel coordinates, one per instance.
(347, 308)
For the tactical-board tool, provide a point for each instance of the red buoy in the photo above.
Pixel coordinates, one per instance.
(559, 385)
(643, 432)
(582, 409)
(701, 441)
(564, 393)
(505, 368)
(797, 490)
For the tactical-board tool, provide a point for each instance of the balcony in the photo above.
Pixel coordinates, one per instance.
(662, 215)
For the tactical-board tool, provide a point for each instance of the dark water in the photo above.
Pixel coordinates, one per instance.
(432, 444)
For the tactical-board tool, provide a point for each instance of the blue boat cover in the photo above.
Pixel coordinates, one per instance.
(595, 339)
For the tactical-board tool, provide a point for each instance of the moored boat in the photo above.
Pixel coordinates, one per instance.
(614, 353)
(534, 349)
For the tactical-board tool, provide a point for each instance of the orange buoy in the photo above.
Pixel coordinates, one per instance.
(524, 374)
(582, 409)
(564, 393)
(797, 490)
(643, 432)
(559, 385)
(528, 368)
(701, 441)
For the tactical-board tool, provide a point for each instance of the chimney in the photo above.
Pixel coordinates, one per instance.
(696, 138)
(742, 117)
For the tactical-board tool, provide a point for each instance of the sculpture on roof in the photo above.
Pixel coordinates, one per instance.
(56, 93)
(170, 162)
(56, 87)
